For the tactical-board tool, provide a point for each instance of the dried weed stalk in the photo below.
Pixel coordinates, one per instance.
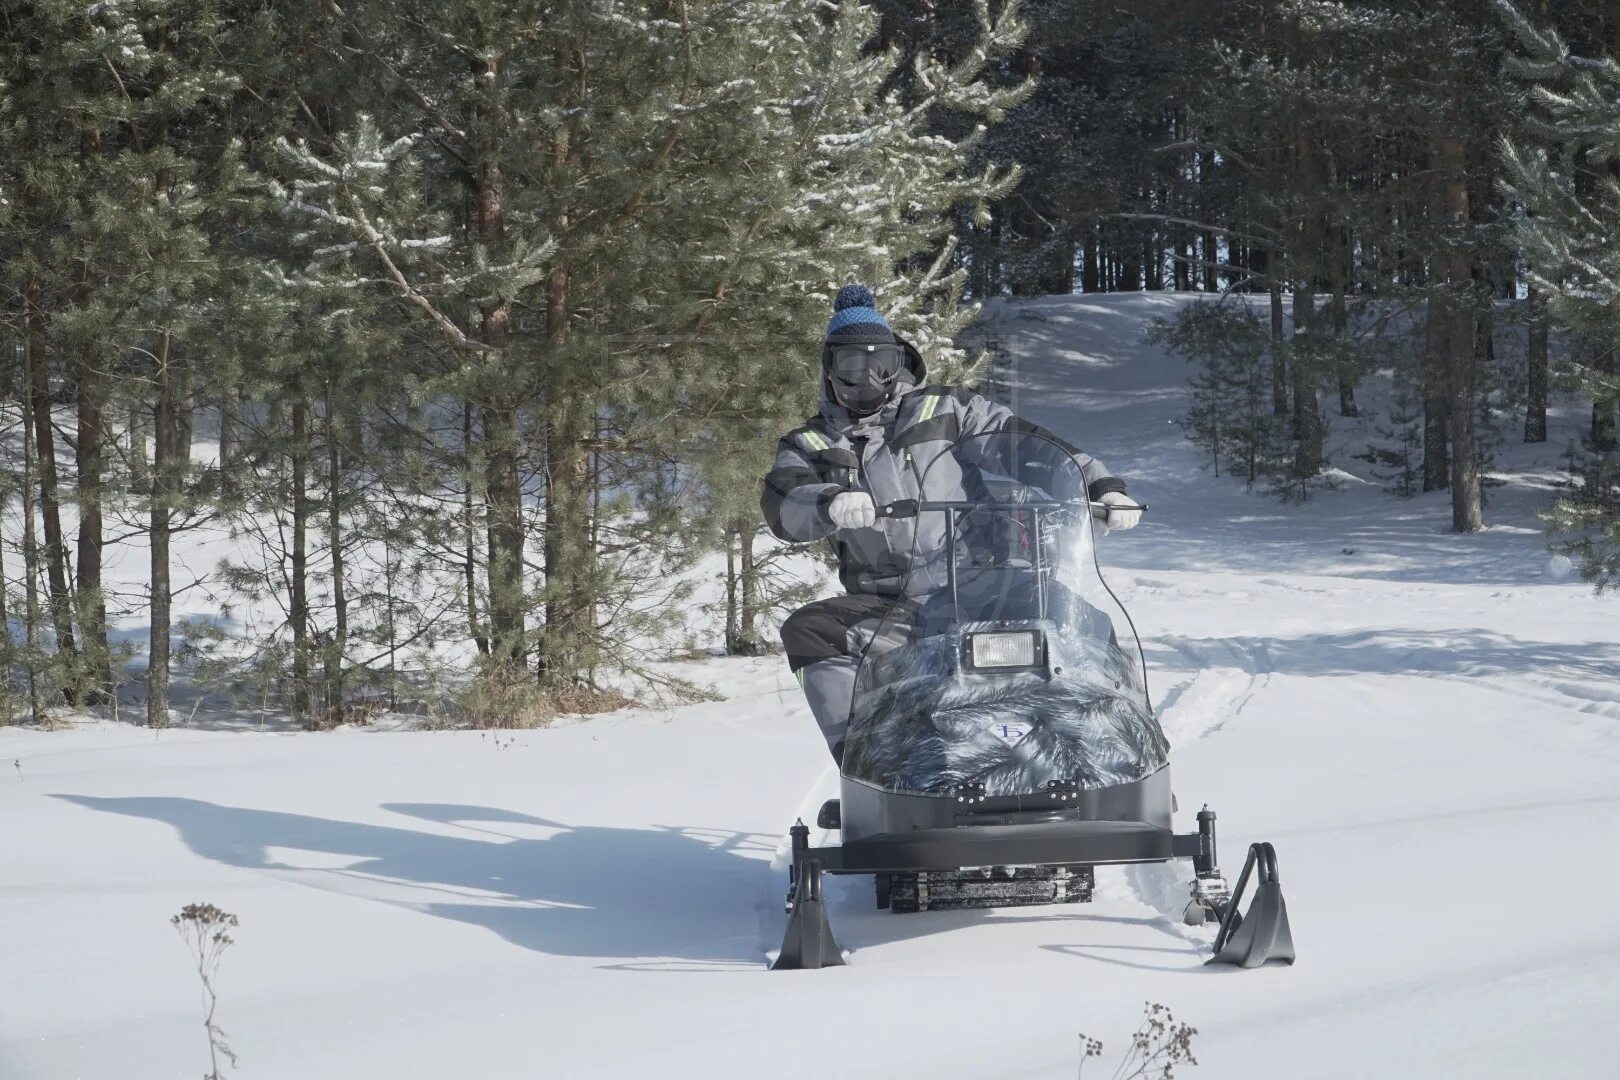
(205, 930)
(1158, 1045)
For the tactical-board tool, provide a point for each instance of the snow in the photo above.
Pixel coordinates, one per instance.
(1427, 727)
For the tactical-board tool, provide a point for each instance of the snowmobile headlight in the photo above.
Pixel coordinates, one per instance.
(1004, 650)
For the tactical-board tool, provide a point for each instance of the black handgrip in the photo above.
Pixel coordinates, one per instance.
(1100, 510)
(900, 508)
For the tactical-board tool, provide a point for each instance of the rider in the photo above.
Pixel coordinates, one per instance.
(878, 429)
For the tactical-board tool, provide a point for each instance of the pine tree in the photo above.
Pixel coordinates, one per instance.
(654, 242)
(108, 163)
(1399, 462)
(1561, 172)
(1231, 416)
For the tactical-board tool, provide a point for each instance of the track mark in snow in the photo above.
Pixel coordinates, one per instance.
(1190, 712)
(1204, 705)
(1583, 696)
(1228, 674)
(1165, 888)
(1585, 691)
(1297, 588)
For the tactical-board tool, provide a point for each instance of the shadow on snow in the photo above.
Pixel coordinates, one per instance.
(1390, 651)
(659, 899)
(585, 891)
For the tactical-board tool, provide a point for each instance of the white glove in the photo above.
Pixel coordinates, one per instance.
(853, 510)
(1119, 518)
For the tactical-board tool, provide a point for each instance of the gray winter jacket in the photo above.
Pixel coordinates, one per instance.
(885, 454)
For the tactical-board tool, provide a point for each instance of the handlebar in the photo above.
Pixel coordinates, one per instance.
(1100, 510)
(907, 508)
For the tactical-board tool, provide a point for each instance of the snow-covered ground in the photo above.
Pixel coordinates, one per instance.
(1427, 727)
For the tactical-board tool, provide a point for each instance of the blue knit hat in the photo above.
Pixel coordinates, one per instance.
(856, 319)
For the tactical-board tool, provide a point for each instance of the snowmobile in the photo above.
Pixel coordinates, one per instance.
(1001, 741)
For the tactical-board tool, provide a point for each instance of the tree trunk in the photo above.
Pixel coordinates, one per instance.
(1130, 273)
(571, 418)
(163, 478)
(749, 614)
(733, 624)
(1279, 366)
(1436, 354)
(185, 406)
(504, 495)
(503, 486)
(570, 613)
(393, 637)
(1535, 405)
(1450, 163)
(50, 504)
(469, 525)
(1605, 432)
(1467, 510)
(1059, 278)
(1206, 180)
(993, 266)
(1091, 272)
(140, 478)
(5, 618)
(230, 439)
(1341, 329)
(339, 646)
(92, 602)
(1347, 392)
(1304, 270)
(298, 586)
(30, 554)
(1308, 429)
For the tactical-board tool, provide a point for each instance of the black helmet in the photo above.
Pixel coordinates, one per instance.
(860, 359)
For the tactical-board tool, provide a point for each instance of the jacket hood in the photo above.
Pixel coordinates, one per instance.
(917, 371)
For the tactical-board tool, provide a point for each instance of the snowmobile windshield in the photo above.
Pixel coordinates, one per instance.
(1008, 667)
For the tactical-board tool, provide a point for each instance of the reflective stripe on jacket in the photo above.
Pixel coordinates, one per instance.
(886, 455)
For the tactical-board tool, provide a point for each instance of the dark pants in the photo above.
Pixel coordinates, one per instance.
(825, 641)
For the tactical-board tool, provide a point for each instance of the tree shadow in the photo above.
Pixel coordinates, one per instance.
(1457, 652)
(688, 896)
(1099, 954)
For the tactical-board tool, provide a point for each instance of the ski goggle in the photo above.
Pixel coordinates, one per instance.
(856, 363)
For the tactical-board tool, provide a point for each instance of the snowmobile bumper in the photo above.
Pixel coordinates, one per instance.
(888, 832)
(1062, 839)
(867, 812)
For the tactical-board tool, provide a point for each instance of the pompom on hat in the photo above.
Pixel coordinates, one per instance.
(857, 319)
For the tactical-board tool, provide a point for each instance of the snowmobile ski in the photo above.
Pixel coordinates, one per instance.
(1263, 934)
(808, 941)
